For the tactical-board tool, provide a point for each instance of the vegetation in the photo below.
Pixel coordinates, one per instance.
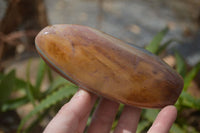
(61, 90)
(186, 100)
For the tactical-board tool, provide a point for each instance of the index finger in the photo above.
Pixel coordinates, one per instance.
(71, 116)
(164, 120)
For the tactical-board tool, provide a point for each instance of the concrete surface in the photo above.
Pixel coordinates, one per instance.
(134, 21)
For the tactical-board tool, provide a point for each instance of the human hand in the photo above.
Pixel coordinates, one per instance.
(73, 116)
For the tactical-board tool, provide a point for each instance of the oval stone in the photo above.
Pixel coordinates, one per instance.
(108, 66)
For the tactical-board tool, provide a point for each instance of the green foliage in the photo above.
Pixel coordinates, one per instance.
(40, 76)
(191, 75)
(60, 89)
(6, 86)
(14, 103)
(176, 129)
(142, 126)
(189, 101)
(51, 99)
(150, 114)
(154, 45)
(185, 100)
(10, 83)
(180, 64)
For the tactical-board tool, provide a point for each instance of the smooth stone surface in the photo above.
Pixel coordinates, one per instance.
(109, 67)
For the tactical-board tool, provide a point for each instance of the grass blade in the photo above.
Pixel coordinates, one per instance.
(50, 76)
(29, 88)
(180, 64)
(40, 76)
(156, 41)
(191, 75)
(29, 93)
(164, 46)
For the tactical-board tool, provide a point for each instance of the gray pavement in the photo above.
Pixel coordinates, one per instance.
(134, 21)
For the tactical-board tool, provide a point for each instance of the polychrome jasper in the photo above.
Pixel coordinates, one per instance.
(108, 66)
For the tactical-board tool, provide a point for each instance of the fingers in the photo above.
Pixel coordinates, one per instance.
(128, 120)
(103, 117)
(164, 120)
(71, 116)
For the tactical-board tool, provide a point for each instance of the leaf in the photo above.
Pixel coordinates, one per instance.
(58, 82)
(50, 100)
(49, 74)
(40, 76)
(189, 101)
(20, 84)
(36, 121)
(14, 103)
(151, 114)
(176, 129)
(6, 86)
(164, 46)
(1, 76)
(29, 88)
(185, 128)
(29, 93)
(143, 125)
(191, 75)
(180, 64)
(156, 41)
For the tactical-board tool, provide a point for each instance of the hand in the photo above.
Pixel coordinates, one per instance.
(73, 116)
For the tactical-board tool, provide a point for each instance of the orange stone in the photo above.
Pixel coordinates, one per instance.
(108, 66)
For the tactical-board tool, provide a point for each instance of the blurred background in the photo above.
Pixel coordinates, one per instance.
(30, 91)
